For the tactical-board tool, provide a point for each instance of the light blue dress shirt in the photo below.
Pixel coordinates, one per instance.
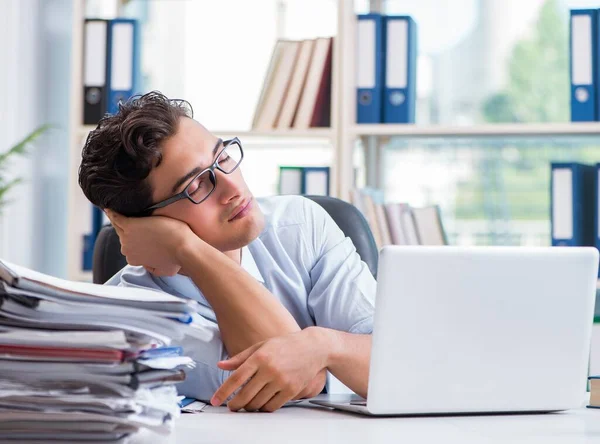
(303, 258)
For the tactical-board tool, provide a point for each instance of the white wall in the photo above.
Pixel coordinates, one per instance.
(19, 114)
(34, 84)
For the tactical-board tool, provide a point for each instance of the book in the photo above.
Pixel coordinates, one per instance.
(296, 86)
(429, 225)
(594, 392)
(314, 106)
(276, 89)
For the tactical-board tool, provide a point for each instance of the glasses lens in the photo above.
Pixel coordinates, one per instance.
(230, 157)
(201, 186)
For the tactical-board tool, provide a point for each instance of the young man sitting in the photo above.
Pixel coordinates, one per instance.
(283, 294)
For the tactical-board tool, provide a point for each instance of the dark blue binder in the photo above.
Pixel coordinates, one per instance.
(583, 63)
(400, 75)
(315, 181)
(369, 72)
(596, 206)
(572, 204)
(123, 62)
(89, 240)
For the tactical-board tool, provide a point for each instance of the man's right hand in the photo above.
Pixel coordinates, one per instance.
(151, 242)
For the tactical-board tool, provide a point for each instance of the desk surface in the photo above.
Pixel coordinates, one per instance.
(312, 424)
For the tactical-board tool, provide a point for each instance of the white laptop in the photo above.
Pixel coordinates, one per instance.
(479, 330)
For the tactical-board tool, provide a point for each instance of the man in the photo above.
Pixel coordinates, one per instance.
(281, 290)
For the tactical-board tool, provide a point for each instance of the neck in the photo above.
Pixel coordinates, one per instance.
(234, 255)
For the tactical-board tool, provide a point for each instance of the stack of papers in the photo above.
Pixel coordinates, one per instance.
(85, 362)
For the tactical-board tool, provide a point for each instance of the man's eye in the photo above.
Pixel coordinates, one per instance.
(196, 185)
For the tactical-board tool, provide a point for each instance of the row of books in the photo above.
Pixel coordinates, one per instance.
(296, 92)
(575, 188)
(399, 223)
(386, 69)
(87, 363)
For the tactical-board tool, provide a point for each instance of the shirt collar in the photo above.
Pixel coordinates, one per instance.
(249, 264)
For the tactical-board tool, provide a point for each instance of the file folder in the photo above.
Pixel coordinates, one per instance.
(583, 64)
(572, 204)
(369, 68)
(400, 76)
(89, 240)
(596, 197)
(304, 180)
(291, 180)
(315, 181)
(122, 62)
(94, 70)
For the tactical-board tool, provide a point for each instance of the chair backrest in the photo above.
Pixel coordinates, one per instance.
(108, 259)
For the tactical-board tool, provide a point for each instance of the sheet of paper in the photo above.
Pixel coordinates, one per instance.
(104, 291)
(194, 407)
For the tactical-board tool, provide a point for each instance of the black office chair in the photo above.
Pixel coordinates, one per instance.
(108, 259)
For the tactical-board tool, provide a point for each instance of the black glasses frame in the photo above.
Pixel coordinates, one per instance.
(213, 177)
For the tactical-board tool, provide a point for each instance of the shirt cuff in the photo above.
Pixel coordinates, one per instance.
(364, 327)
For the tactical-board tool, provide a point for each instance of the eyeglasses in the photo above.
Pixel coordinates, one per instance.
(203, 184)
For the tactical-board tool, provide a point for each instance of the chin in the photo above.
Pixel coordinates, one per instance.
(248, 230)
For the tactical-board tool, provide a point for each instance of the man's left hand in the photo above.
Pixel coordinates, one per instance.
(276, 371)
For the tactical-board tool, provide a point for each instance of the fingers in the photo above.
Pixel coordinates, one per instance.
(265, 395)
(248, 393)
(235, 381)
(314, 387)
(234, 362)
(115, 218)
(276, 402)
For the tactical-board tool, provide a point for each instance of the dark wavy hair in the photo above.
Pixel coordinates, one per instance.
(120, 153)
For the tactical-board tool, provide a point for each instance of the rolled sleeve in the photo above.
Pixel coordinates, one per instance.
(343, 289)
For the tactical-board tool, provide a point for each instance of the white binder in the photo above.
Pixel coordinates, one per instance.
(94, 71)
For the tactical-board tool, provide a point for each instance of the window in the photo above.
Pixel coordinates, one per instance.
(491, 60)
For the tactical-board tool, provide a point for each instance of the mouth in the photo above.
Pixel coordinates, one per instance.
(241, 211)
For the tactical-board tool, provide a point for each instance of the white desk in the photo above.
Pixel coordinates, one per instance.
(314, 425)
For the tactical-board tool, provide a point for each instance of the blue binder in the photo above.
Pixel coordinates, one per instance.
(369, 68)
(400, 77)
(315, 181)
(596, 206)
(572, 204)
(583, 62)
(89, 240)
(123, 62)
(298, 180)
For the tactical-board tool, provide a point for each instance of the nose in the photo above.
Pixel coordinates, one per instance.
(229, 186)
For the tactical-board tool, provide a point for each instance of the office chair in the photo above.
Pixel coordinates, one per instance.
(108, 259)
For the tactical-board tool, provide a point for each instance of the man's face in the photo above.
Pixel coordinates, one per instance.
(213, 219)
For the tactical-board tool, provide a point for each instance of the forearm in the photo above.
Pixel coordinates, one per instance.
(246, 311)
(348, 358)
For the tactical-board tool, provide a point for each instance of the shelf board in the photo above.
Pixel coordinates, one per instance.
(311, 133)
(484, 130)
(280, 133)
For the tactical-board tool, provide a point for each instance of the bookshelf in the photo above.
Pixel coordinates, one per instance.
(341, 136)
(79, 219)
(485, 130)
